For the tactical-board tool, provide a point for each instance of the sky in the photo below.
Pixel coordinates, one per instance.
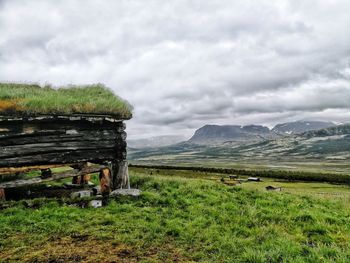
(186, 63)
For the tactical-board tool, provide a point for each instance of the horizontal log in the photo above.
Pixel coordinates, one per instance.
(41, 148)
(59, 124)
(91, 136)
(55, 176)
(94, 156)
(24, 169)
(71, 117)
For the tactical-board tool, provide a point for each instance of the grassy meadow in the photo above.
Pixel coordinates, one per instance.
(185, 216)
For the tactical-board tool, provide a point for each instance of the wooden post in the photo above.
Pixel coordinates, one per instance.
(2, 194)
(105, 181)
(83, 179)
(120, 175)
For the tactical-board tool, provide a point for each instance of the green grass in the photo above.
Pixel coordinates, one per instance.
(181, 217)
(24, 99)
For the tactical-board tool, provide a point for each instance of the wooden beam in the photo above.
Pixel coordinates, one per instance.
(14, 170)
(120, 175)
(55, 176)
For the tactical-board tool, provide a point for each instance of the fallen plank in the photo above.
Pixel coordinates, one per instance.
(55, 176)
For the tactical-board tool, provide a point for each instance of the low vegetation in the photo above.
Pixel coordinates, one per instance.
(180, 218)
(280, 174)
(25, 99)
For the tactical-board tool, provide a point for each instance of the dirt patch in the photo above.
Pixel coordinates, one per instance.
(84, 248)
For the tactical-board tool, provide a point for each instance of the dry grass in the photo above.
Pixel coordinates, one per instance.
(85, 248)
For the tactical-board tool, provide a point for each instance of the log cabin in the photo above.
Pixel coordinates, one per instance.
(76, 126)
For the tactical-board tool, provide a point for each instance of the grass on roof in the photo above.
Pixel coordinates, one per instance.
(29, 100)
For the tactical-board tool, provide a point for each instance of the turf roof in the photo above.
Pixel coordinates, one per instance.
(33, 100)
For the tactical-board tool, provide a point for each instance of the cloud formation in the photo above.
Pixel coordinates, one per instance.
(186, 63)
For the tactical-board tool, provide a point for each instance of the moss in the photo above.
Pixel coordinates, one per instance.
(29, 100)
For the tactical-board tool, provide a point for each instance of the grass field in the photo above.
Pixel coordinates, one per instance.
(186, 216)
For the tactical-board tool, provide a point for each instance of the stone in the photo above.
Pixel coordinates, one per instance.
(273, 188)
(95, 203)
(126, 192)
(254, 179)
(81, 194)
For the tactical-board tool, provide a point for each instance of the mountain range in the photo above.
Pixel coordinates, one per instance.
(215, 134)
(301, 139)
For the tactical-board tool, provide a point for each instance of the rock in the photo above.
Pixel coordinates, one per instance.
(273, 188)
(81, 194)
(95, 203)
(254, 179)
(126, 192)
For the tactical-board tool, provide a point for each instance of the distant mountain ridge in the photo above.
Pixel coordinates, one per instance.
(216, 134)
(332, 143)
(298, 127)
(220, 134)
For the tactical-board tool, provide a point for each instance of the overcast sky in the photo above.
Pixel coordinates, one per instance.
(185, 63)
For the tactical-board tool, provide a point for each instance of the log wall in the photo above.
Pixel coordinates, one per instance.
(61, 140)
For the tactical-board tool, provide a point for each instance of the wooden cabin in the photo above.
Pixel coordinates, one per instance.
(42, 128)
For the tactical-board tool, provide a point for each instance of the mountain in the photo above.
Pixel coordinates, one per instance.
(158, 141)
(332, 143)
(216, 134)
(343, 129)
(299, 127)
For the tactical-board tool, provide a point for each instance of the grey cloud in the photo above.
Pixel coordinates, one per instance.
(186, 63)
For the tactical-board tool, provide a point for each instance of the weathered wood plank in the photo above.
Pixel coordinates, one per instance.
(29, 126)
(42, 148)
(120, 175)
(55, 176)
(44, 138)
(14, 170)
(94, 156)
